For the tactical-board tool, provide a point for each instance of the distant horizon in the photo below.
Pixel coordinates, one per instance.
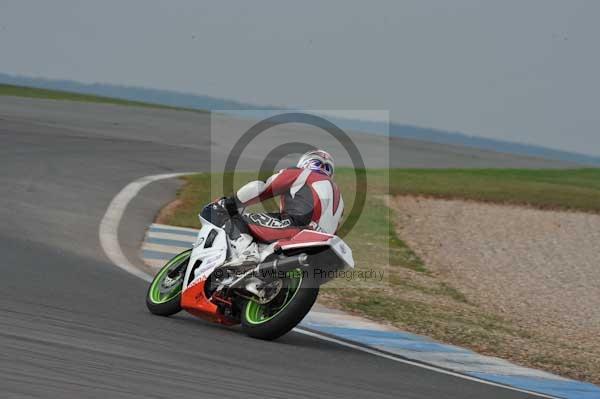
(394, 129)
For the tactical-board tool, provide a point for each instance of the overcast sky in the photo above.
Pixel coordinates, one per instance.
(521, 70)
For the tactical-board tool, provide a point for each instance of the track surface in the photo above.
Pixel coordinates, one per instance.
(73, 325)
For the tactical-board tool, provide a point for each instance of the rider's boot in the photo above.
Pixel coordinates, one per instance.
(244, 251)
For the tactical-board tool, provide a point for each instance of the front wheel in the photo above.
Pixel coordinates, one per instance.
(272, 320)
(164, 294)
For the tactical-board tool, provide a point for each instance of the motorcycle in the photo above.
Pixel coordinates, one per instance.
(268, 299)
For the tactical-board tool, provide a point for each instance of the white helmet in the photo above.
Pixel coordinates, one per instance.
(318, 160)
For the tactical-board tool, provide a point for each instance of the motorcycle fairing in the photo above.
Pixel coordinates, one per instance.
(194, 300)
(211, 249)
(310, 238)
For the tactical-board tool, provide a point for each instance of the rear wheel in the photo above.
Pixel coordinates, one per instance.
(164, 294)
(272, 320)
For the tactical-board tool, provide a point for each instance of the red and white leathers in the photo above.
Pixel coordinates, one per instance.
(308, 199)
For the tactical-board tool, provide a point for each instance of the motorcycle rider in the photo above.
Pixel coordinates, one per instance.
(309, 199)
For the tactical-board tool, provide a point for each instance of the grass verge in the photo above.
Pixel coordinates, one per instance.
(410, 296)
(572, 189)
(31, 92)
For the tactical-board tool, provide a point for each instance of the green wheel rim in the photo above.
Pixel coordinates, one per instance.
(159, 293)
(257, 313)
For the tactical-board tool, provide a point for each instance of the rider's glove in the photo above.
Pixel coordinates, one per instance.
(231, 205)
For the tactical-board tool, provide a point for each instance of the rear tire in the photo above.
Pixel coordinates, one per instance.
(164, 294)
(258, 322)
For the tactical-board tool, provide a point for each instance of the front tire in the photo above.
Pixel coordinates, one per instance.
(164, 294)
(274, 319)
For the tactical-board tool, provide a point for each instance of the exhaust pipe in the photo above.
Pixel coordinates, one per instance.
(282, 265)
(272, 269)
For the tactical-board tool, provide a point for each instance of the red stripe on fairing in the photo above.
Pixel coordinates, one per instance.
(194, 300)
(336, 197)
(267, 234)
(305, 237)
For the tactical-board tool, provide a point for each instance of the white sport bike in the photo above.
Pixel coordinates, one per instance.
(267, 299)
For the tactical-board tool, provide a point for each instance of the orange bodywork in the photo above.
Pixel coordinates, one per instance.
(194, 301)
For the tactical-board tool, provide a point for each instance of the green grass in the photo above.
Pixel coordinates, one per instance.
(573, 189)
(30, 92)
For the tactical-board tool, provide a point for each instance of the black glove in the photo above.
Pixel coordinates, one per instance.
(231, 205)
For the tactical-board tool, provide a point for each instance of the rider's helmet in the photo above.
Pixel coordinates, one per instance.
(317, 160)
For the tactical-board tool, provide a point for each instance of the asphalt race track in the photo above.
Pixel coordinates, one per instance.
(72, 325)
